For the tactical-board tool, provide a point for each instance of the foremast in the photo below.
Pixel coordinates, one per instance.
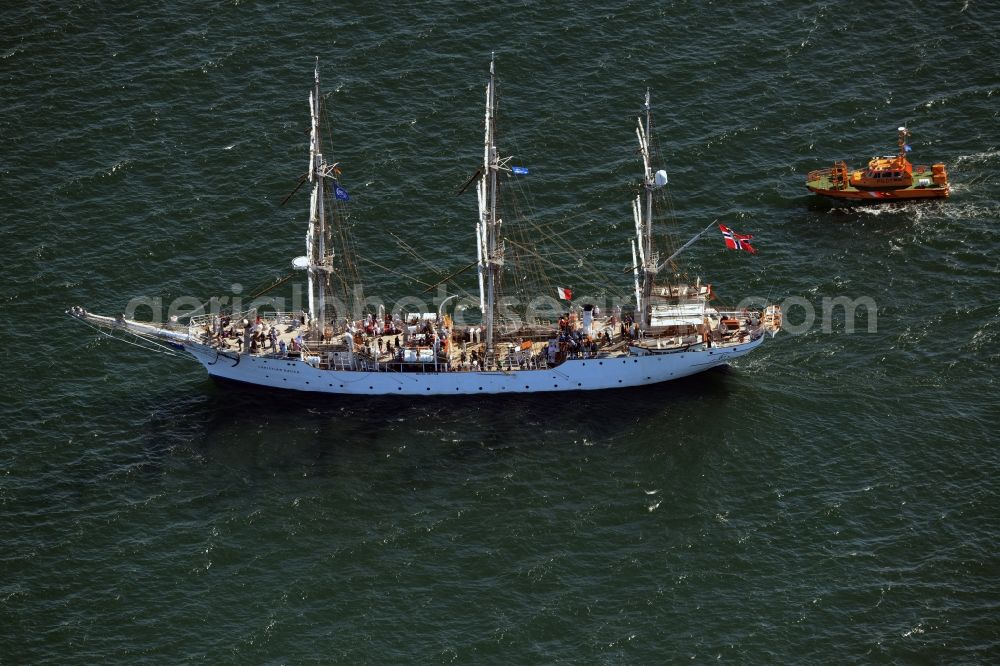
(320, 263)
(489, 246)
(642, 212)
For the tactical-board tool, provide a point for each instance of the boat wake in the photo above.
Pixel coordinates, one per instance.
(986, 157)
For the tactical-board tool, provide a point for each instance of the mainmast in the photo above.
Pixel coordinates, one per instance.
(642, 211)
(490, 249)
(319, 262)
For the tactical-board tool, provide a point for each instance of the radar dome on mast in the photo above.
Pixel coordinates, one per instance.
(660, 178)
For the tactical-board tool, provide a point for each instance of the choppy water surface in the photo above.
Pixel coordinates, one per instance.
(829, 499)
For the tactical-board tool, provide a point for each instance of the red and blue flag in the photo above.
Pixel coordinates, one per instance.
(735, 241)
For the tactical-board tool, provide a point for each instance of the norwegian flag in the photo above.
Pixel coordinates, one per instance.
(565, 294)
(735, 241)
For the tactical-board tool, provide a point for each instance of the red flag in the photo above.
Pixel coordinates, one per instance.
(735, 241)
(565, 294)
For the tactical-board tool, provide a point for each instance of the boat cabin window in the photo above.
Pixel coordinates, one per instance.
(882, 174)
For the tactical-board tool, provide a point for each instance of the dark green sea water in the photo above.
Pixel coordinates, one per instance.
(830, 499)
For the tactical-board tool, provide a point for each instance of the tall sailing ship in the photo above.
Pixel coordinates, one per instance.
(671, 331)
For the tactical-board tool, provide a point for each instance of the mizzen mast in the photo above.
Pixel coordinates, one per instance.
(319, 263)
(642, 212)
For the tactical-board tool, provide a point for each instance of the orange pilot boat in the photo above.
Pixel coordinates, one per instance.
(890, 178)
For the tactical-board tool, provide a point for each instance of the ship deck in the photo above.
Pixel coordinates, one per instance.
(466, 351)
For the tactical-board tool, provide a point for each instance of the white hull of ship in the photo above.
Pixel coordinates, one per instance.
(572, 375)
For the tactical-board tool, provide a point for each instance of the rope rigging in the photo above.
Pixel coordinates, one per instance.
(150, 346)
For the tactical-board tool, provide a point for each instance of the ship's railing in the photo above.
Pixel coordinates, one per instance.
(362, 359)
(271, 318)
(739, 314)
(500, 362)
(837, 174)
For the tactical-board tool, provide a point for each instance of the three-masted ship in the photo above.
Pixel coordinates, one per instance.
(672, 330)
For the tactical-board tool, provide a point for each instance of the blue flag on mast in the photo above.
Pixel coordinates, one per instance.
(340, 193)
(520, 171)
